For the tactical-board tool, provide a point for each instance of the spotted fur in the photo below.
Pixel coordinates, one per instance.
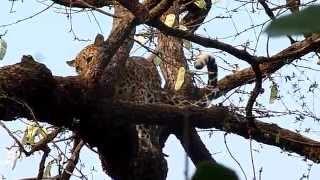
(138, 77)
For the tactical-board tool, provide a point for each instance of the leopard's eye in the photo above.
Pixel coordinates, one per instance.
(89, 59)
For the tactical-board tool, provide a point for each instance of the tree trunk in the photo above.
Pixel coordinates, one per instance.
(129, 151)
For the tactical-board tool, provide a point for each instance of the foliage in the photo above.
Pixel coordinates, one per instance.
(209, 171)
(303, 22)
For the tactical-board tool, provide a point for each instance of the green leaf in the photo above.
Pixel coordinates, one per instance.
(208, 171)
(170, 19)
(31, 132)
(3, 48)
(274, 93)
(303, 22)
(180, 78)
(201, 4)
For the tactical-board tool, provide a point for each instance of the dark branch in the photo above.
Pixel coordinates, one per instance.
(78, 4)
(270, 65)
(254, 94)
(206, 42)
(141, 13)
(72, 162)
(46, 152)
(112, 44)
(196, 150)
(216, 117)
(160, 8)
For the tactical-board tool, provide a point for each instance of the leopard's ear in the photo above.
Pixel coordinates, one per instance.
(98, 40)
(27, 58)
(71, 63)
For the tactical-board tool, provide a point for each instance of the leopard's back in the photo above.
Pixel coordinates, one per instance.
(139, 82)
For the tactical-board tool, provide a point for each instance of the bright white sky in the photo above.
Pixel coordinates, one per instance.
(47, 38)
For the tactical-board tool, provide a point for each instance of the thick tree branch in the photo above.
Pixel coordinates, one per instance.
(91, 115)
(78, 4)
(270, 65)
(46, 151)
(113, 55)
(160, 8)
(111, 45)
(216, 117)
(171, 49)
(140, 11)
(195, 149)
(53, 99)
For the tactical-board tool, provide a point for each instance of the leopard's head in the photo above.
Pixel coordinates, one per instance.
(87, 57)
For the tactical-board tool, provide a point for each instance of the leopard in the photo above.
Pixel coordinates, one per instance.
(138, 82)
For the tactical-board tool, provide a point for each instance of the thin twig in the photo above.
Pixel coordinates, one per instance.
(96, 9)
(3, 34)
(30, 17)
(14, 138)
(235, 160)
(73, 160)
(260, 173)
(252, 160)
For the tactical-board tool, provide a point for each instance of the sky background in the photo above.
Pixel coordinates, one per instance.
(48, 38)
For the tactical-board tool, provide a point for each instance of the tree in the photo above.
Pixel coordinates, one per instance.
(86, 105)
